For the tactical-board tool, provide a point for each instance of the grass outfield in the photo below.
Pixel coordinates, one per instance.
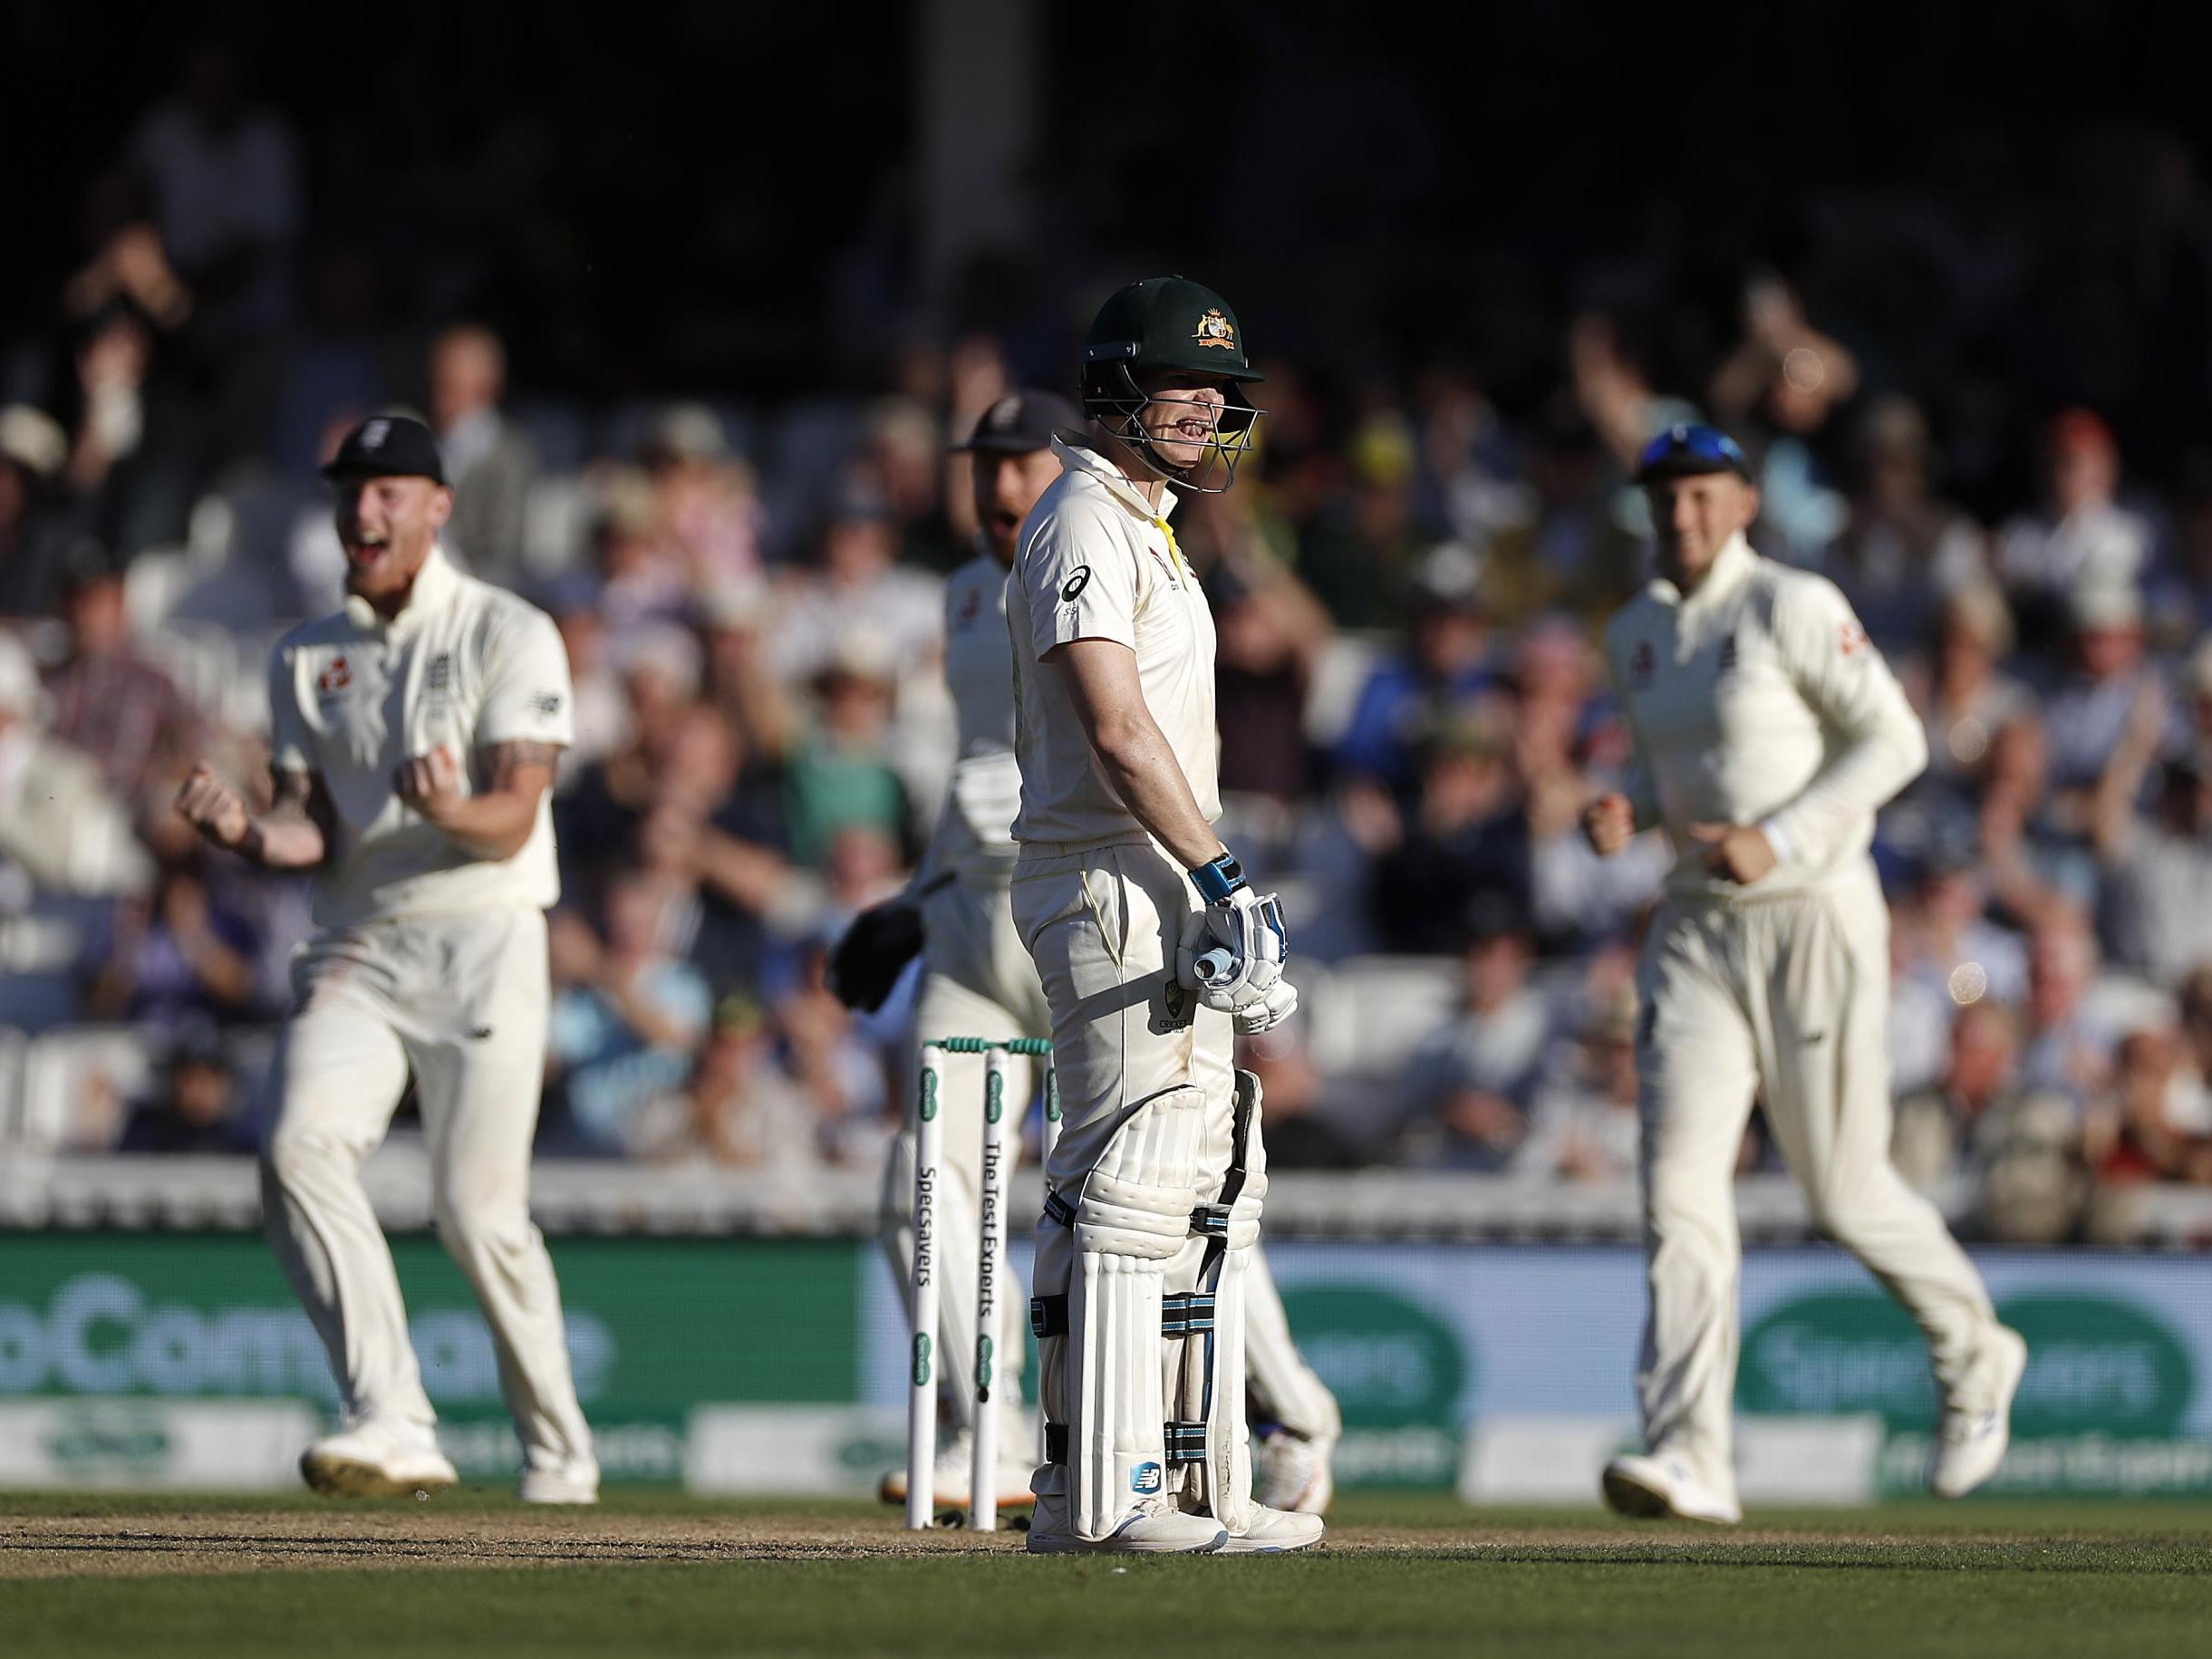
(473, 1574)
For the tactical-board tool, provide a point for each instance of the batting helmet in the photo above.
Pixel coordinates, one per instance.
(1168, 325)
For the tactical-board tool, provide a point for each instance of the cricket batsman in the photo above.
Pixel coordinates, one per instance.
(416, 732)
(1153, 952)
(979, 982)
(1767, 731)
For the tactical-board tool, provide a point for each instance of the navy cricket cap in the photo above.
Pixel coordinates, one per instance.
(1022, 421)
(1683, 451)
(388, 446)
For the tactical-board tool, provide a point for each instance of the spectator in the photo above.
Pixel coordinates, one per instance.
(2030, 861)
(489, 461)
(175, 959)
(2156, 1125)
(1465, 837)
(2081, 537)
(1272, 634)
(1970, 697)
(1358, 553)
(842, 1076)
(1584, 1125)
(33, 519)
(58, 824)
(1905, 553)
(224, 180)
(856, 587)
(709, 503)
(197, 1107)
(1932, 1138)
(2158, 869)
(1471, 1080)
(741, 1109)
(107, 699)
(2088, 711)
(1443, 666)
(843, 773)
(1298, 1137)
(625, 1019)
(902, 453)
(2068, 1049)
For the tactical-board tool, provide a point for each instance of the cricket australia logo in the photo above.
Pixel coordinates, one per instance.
(1216, 330)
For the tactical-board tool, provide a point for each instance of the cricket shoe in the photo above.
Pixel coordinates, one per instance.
(383, 1457)
(576, 1481)
(1664, 1488)
(1274, 1532)
(1155, 1527)
(1293, 1472)
(955, 1472)
(1969, 1444)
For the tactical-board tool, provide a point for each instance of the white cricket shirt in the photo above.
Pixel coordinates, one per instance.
(974, 836)
(350, 697)
(1096, 563)
(1759, 700)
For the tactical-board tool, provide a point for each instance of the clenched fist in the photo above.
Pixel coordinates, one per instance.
(1609, 822)
(429, 783)
(214, 809)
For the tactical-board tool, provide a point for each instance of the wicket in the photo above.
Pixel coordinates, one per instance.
(990, 1253)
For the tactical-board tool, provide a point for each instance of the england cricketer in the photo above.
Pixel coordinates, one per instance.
(1767, 731)
(1152, 949)
(415, 736)
(977, 980)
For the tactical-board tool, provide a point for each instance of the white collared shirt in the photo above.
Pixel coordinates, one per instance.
(1759, 700)
(1095, 562)
(464, 664)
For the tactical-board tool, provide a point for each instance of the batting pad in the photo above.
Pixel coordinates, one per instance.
(1208, 1395)
(1133, 1217)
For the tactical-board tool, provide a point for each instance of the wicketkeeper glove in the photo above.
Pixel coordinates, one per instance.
(866, 963)
(1232, 951)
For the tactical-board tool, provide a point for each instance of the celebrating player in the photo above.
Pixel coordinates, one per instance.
(979, 982)
(415, 737)
(1153, 950)
(1767, 732)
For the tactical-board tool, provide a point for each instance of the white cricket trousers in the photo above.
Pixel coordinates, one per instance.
(977, 981)
(460, 1001)
(1787, 997)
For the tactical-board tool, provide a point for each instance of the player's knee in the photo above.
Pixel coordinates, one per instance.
(295, 1157)
(471, 1223)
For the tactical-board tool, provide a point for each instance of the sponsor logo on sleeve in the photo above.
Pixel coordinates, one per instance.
(1074, 584)
(548, 703)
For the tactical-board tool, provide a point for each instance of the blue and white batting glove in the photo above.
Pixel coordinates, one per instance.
(1232, 951)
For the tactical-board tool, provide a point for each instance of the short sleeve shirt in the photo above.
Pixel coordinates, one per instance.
(466, 665)
(1096, 562)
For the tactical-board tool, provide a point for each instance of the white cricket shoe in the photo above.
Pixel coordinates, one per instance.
(1155, 1527)
(382, 1457)
(1293, 1472)
(1663, 1489)
(955, 1474)
(574, 1481)
(1970, 1444)
(1274, 1532)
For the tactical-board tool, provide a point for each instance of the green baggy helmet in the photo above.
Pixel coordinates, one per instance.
(1170, 325)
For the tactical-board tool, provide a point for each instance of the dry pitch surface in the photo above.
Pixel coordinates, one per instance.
(661, 1573)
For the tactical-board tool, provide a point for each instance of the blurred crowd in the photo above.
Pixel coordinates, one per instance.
(1405, 584)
